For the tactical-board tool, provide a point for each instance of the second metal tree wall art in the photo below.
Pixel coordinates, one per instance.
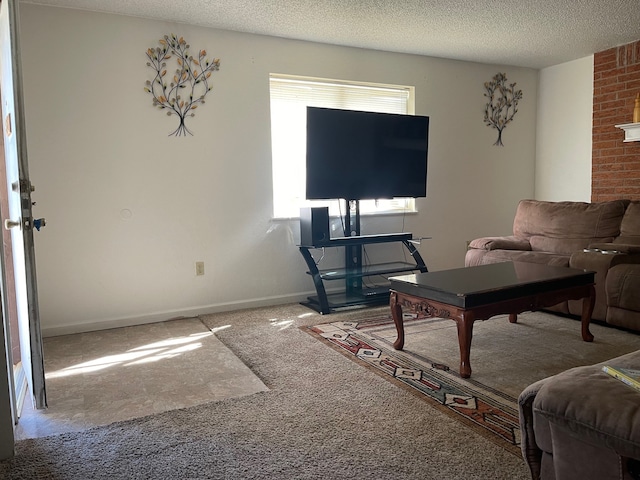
(502, 105)
(186, 87)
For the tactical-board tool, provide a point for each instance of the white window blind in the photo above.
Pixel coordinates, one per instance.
(290, 96)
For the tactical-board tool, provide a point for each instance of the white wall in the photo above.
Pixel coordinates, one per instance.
(563, 145)
(97, 147)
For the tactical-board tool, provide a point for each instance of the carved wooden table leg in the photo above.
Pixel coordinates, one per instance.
(396, 314)
(587, 309)
(465, 333)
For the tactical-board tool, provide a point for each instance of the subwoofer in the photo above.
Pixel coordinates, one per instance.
(314, 226)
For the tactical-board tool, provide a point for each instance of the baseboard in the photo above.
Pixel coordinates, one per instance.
(172, 315)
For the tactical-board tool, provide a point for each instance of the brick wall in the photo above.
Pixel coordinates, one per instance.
(615, 164)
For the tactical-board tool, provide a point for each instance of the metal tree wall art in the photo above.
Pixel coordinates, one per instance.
(189, 83)
(502, 105)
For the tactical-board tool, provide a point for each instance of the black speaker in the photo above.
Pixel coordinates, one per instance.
(314, 226)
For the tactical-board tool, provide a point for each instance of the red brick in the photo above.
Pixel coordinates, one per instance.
(611, 167)
(625, 160)
(627, 192)
(602, 67)
(630, 57)
(605, 56)
(607, 182)
(605, 128)
(632, 148)
(610, 87)
(613, 152)
(605, 191)
(633, 86)
(627, 76)
(605, 146)
(605, 97)
(613, 136)
(616, 105)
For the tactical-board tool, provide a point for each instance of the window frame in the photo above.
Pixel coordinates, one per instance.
(286, 90)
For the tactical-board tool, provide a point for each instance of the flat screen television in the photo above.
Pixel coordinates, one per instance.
(356, 155)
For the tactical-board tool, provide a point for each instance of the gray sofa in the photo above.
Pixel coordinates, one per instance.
(603, 237)
(582, 424)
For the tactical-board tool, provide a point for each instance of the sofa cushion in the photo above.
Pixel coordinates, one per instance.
(500, 243)
(630, 226)
(613, 248)
(564, 227)
(544, 258)
(595, 407)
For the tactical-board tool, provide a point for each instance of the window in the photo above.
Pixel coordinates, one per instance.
(290, 96)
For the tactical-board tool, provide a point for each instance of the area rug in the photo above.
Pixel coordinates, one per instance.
(505, 357)
(489, 411)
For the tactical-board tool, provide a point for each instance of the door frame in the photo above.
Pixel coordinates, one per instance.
(18, 216)
(8, 416)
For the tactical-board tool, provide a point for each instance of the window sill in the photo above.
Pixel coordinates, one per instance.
(371, 214)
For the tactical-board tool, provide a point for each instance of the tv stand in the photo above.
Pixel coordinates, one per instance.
(354, 293)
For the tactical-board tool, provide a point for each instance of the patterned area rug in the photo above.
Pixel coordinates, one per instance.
(488, 411)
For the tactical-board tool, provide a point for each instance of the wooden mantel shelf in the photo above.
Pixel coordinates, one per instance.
(631, 131)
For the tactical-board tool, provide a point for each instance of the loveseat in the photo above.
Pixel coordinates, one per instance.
(582, 424)
(603, 237)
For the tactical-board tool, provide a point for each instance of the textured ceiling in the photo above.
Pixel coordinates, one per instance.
(534, 33)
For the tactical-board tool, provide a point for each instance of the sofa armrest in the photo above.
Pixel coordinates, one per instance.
(530, 450)
(601, 260)
(616, 248)
(594, 407)
(500, 243)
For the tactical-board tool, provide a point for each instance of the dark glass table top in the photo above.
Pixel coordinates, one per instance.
(470, 286)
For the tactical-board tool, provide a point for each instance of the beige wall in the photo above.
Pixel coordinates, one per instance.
(98, 147)
(563, 142)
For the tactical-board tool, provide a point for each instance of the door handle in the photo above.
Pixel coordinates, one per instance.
(9, 224)
(38, 223)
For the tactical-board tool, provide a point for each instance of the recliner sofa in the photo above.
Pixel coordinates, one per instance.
(603, 237)
(582, 424)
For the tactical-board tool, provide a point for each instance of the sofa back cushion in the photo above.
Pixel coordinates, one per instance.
(564, 227)
(630, 226)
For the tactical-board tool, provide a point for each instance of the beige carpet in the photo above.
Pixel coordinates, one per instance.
(323, 417)
(97, 378)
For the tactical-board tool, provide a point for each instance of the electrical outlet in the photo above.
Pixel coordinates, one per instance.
(199, 268)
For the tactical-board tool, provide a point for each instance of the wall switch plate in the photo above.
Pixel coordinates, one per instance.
(199, 268)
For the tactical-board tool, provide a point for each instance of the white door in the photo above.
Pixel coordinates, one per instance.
(19, 217)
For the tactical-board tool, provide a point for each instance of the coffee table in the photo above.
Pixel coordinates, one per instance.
(481, 292)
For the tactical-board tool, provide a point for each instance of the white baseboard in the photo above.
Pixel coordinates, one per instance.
(171, 315)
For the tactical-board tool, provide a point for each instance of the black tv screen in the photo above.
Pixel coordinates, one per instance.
(357, 155)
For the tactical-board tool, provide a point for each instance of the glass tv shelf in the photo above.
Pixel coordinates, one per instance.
(354, 274)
